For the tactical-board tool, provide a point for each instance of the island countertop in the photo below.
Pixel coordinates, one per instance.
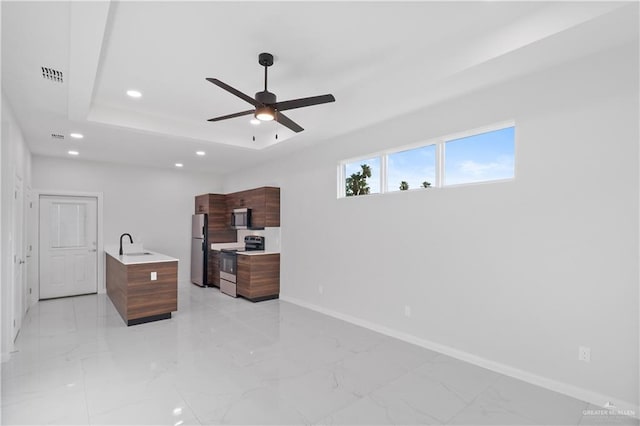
(147, 256)
(256, 253)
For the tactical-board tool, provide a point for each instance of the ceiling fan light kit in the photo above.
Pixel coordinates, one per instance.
(266, 106)
(265, 113)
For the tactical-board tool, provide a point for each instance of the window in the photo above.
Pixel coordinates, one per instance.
(478, 158)
(362, 177)
(413, 168)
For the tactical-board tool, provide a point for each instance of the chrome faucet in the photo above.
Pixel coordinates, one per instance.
(130, 239)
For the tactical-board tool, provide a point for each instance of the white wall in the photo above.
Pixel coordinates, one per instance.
(15, 166)
(514, 276)
(154, 205)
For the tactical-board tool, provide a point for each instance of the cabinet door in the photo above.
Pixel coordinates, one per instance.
(214, 268)
(217, 209)
(202, 204)
(255, 200)
(272, 207)
(258, 277)
(243, 276)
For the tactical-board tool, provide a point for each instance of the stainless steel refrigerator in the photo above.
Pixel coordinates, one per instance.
(199, 249)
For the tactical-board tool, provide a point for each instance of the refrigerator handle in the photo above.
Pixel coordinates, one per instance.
(203, 231)
(203, 246)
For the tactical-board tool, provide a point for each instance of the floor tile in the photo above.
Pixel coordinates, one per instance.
(369, 411)
(509, 399)
(221, 360)
(422, 394)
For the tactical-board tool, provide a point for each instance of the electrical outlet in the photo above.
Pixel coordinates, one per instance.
(407, 311)
(584, 354)
(320, 289)
(154, 276)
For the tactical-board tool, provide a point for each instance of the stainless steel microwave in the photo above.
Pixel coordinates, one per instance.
(241, 218)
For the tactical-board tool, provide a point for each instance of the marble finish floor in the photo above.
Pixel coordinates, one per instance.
(229, 361)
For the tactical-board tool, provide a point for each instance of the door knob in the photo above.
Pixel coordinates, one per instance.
(20, 262)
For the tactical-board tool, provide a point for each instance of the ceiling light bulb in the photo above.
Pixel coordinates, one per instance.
(76, 135)
(74, 153)
(134, 93)
(200, 153)
(179, 164)
(265, 113)
(255, 121)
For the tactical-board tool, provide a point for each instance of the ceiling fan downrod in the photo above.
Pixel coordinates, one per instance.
(266, 60)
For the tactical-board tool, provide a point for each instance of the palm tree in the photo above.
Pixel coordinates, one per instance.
(356, 184)
(426, 184)
(404, 186)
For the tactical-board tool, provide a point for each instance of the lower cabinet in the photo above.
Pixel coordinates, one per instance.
(258, 276)
(213, 269)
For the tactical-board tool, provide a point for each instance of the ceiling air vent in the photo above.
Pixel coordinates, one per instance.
(57, 136)
(51, 74)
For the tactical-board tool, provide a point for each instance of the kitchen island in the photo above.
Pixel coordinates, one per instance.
(142, 286)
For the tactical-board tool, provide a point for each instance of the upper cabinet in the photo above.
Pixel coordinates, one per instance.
(219, 223)
(264, 204)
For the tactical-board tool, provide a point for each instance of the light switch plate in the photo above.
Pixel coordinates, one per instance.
(154, 276)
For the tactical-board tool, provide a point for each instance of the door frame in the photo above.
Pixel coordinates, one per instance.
(18, 251)
(100, 243)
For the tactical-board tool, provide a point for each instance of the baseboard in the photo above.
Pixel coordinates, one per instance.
(591, 397)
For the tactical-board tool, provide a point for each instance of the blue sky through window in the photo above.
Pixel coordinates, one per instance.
(413, 166)
(478, 158)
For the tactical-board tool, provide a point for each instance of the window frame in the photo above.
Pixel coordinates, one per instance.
(439, 143)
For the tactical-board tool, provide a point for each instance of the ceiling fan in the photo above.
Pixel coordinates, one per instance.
(266, 106)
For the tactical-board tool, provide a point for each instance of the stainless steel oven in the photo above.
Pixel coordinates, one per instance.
(229, 263)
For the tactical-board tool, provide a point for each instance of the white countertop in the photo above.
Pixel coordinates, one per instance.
(233, 246)
(256, 253)
(135, 259)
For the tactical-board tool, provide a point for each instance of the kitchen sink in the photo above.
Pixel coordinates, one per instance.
(138, 254)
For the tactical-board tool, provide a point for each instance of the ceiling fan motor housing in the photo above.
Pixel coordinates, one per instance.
(266, 98)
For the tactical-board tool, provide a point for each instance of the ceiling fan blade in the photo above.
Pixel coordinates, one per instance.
(234, 91)
(303, 102)
(237, 114)
(287, 122)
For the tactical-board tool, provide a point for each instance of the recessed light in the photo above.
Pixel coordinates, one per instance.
(255, 121)
(134, 93)
(179, 164)
(73, 153)
(200, 153)
(76, 135)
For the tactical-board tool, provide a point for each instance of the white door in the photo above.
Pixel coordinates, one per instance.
(18, 261)
(68, 249)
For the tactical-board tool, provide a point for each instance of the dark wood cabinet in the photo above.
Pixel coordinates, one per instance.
(258, 276)
(202, 204)
(264, 203)
(136, 297)
(219, 221)
(213, 269)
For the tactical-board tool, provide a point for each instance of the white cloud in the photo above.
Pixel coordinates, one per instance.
(473, 171)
